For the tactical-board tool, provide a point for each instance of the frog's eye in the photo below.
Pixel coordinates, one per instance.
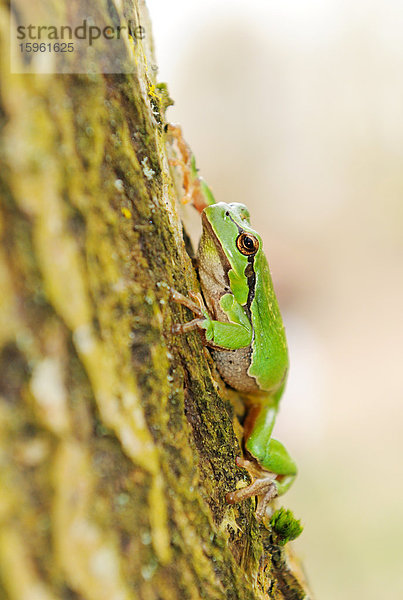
(247, 244)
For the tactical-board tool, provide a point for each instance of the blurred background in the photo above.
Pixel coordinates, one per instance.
(295, 107)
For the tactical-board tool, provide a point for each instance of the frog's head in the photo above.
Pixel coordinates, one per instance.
(229, 239)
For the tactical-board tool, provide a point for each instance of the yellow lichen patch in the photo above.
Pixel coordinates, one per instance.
(126, 213)
(152, 92)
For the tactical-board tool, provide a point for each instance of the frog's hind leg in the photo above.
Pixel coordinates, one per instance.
(272, 469)
(194, 187)
(262, 486)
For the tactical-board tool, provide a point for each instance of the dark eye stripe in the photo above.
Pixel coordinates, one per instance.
(251, 276)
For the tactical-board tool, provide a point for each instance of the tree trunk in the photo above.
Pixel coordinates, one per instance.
(117, 447)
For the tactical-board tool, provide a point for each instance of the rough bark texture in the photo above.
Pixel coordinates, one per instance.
(116, 445)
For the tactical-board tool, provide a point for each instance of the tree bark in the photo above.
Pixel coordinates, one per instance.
(117, 446)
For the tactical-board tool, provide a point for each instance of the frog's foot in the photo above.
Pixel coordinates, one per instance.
(191, 182)
(262, 486)
(191, 191)
(195, 304)
(176, 132)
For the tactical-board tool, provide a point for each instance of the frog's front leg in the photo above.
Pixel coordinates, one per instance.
(195, 304)
(230, 335)
(272, 470)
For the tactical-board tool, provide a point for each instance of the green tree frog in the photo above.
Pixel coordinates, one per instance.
(240, 321)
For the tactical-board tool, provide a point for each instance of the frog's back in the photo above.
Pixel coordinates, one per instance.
(226, 267)
(269, 356)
